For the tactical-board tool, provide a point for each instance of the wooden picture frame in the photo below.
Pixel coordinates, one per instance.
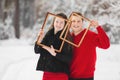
(43, 26)
(80, 42)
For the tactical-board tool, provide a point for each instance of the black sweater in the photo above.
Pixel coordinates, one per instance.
(58, 63)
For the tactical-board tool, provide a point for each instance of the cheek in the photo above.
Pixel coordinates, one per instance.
(54, 24)
(80, 23)
(62, 27)
(72, 28)
(72, 25)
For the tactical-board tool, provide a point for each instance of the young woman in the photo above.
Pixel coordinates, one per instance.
(55, 65)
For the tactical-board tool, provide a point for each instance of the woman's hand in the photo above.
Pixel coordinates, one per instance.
(51, 50)
(94, 23)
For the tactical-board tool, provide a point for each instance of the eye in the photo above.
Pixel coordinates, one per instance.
(62, 22)
(79, 21)
(56, 21)
(73, 21)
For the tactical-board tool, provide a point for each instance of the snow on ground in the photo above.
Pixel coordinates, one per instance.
(108, 64)
(18, 62)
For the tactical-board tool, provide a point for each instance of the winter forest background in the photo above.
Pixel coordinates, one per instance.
(21, 20)
(18, 18)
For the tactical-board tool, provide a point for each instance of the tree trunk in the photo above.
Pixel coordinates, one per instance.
(4, 17)
(1, 9)
(16, 20)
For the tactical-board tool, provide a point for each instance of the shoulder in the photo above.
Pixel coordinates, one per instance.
(91, 33)
(50, 32)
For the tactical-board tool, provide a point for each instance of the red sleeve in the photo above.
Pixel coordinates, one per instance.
(102, 40)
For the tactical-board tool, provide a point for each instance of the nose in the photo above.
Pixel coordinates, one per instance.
(59, 24)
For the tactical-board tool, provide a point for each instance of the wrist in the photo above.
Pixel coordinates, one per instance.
(97, 26)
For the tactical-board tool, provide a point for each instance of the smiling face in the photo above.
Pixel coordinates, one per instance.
(59, 24)
(76, 25)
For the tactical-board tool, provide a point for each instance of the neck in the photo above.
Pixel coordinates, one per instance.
(55, 32)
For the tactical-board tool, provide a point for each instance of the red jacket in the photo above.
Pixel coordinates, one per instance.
(84, 57)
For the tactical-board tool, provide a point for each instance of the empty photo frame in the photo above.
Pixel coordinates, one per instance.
(68, 30)
(48, 21)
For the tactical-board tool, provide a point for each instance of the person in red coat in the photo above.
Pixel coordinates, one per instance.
(84, 57)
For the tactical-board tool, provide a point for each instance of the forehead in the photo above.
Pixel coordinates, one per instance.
(76, 18)
(59, 19)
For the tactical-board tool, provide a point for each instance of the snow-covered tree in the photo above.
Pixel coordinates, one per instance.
(32, 14)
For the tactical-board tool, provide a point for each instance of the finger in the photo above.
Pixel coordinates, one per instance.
(45, 47)
(51, 46)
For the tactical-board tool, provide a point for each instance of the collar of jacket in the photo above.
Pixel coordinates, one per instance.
(51, 32)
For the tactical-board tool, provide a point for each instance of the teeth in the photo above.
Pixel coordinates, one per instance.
(76, 26)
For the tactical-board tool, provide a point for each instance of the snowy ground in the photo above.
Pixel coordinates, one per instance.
(18, 62)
